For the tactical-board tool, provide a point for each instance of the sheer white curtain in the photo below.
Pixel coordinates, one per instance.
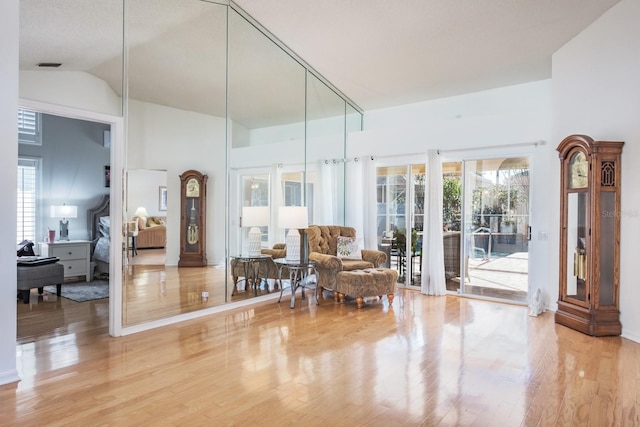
(361, 200)
(324, 194)
(277, 200)
(355, 197)
(433, 280)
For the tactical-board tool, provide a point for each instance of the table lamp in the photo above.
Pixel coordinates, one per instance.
(141, 212)
(64, 212)
(295, 218)
(255, 217)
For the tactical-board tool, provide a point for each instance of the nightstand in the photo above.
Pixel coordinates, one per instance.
(73, 254)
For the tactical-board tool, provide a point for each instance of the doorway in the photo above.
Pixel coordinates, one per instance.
(486, 221)
(147, 205)
(70, 135)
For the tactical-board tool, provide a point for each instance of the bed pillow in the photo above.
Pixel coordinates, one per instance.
(104, 227)
(349, 248)
(101, 252)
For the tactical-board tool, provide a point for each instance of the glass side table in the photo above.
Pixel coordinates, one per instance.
(299, 277)
(251, 267)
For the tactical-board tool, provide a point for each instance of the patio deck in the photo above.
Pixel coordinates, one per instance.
(504, 277)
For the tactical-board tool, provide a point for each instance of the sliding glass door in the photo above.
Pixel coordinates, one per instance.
(486, 220)
(400, 197)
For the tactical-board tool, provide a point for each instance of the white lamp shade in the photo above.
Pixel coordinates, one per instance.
(141, 212)
(64, 211)
(255, 216)
(293, 217)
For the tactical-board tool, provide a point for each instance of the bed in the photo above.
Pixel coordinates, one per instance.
(100, 223)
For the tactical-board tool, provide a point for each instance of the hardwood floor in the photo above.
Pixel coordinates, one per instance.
(422, 361)
(149, 256)
(153, 292)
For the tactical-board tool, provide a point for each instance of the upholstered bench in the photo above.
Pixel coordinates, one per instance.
(39, 276)
(369, 282)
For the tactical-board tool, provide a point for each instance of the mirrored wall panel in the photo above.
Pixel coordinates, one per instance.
(267, 142)
(325, 153)
(176, 109)
(201, 86)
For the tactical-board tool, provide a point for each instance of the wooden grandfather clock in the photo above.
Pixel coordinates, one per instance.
(193, 208)
(589, 235)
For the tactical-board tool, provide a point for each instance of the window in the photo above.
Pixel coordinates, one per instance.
(29, 127)
(28, 171)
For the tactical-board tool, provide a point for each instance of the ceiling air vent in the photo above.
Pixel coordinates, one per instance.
(49, 64)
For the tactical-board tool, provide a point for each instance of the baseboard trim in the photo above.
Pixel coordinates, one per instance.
(9, 377)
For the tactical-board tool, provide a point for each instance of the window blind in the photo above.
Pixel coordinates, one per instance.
(29, 127)
(27, 197)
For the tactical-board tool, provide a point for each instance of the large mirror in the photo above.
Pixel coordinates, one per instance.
(267, 117)
(176, 108)
(325, 153)
(205, 87)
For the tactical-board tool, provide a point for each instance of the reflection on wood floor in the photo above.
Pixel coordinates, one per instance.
(150, 292)
(148, 256)
(422, 361)
(153, 292)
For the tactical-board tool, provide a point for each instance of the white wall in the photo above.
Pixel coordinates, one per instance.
(8, 109)
(72, 89)
(144, 191)
(517, 99)
(176, 141)
(596, 91)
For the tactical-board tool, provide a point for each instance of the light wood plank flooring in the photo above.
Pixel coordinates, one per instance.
(422, 361)
(149, 256)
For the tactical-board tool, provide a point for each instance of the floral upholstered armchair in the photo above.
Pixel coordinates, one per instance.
(334, 248)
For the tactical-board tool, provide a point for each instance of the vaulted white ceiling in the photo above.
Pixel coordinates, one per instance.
(378, 52)
(384, 53)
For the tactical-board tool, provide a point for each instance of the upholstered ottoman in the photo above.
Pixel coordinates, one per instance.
(39, 276)
(370, 282)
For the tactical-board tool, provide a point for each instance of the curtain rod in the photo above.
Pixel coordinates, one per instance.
(493, 147)
(278, 165)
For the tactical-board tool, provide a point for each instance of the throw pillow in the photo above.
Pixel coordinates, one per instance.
(349, 248)
(142, 223)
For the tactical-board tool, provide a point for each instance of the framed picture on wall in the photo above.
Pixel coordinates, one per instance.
(162, 199)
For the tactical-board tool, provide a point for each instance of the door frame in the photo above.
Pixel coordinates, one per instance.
(407, 162)
(118, 167)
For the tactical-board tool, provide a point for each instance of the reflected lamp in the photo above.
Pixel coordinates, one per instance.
(141, 212)
(64, 212)
(255, 217)
(295, 218)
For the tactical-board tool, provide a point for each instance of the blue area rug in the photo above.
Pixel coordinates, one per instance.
(82, 291)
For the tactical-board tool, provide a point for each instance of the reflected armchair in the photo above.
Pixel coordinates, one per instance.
(323, 247)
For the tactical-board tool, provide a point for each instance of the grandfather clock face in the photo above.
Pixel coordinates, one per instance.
(193, 188)
(578, 171)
